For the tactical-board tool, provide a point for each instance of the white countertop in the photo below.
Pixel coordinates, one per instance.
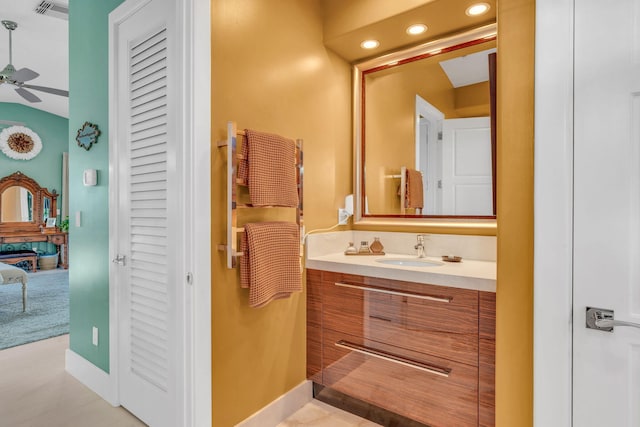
(468, 274)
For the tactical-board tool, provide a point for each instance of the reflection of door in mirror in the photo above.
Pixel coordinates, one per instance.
(17, 205)
(429, 153)
(454, 156)
(466, 167)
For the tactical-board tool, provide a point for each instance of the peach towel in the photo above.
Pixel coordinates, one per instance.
(270, 265)
(414, 193)
(269, 169)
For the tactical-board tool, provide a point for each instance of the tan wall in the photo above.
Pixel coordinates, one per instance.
(514, 330)
(270, 71)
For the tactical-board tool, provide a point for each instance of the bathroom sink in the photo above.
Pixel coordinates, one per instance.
(411, 262)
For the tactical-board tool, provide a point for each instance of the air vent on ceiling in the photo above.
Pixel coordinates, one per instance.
(56, 10)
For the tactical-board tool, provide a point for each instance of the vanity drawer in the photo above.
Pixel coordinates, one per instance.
(428, 319)
(431, 390)
(22, 239)
(57, 240)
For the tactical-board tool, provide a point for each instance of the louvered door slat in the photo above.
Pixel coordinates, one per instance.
(148, 210)
(148, 112)
(150, 146)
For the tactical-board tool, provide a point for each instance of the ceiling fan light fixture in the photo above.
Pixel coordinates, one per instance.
(7, 71)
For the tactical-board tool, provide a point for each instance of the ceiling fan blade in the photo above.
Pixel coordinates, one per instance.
(24, 75)
(28, 95)
(10, 123)
(48, 90)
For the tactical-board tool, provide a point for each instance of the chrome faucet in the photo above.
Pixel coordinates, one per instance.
(420, 246)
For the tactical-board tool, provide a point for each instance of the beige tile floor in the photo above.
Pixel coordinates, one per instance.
(36, 391)
(319, 414)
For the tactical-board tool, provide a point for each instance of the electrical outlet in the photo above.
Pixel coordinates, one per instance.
(343, 216)
(94, 338)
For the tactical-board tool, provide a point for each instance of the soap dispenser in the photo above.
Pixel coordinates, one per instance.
(351, 249)
(376, 246)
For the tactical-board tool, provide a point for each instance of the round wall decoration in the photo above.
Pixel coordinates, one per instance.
(20, 143)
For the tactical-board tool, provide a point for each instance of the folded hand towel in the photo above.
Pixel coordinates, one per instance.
(269, 169)
(414, 192)
(270, 266)
(243, 165)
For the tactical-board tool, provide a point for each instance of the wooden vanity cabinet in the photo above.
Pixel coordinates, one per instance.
(422, 351)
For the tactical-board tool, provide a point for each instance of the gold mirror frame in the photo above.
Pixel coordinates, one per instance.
(467, 225)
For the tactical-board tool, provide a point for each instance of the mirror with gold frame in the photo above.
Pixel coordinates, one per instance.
(399, 98)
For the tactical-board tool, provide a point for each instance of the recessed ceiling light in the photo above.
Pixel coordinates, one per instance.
(370, 44)
(477, 9)
(416, 29)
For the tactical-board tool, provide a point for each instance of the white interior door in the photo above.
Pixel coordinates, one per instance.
(606, 365)
(149, 245)
(466, 167)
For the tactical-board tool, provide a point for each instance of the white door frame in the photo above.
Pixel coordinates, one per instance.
(424, 155)
(196, 72)
(553, 213)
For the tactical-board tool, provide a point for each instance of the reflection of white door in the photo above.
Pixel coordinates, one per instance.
(146, 206)
(428, 153)
(466, 167)
(606, 365)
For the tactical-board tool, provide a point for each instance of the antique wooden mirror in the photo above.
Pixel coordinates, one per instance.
(24, 205)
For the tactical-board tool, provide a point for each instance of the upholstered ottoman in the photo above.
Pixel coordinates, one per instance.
(9, 275)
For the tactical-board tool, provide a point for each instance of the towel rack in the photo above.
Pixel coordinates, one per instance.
(232, 205)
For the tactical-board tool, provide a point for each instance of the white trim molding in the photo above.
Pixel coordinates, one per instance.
(198, 80)
(281, 408)
(553, 213)
(91, 376)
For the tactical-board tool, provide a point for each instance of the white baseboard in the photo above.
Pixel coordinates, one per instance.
(281, 408)
(91, 376)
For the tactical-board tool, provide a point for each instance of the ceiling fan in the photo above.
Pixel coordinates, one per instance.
(18, 78)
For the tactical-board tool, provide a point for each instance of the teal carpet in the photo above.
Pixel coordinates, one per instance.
(47, 312)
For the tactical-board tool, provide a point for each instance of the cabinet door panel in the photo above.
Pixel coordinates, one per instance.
(404, 387)
(444, 329)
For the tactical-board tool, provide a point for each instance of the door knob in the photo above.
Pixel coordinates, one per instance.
(603, 320)
(119, 259)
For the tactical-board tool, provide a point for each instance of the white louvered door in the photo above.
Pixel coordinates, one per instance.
(149, 245)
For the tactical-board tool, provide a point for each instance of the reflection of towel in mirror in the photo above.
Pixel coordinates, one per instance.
(413, 192)
(270, 265)
(269, 169)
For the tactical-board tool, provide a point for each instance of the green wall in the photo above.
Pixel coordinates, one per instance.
(89, 243)
(46, 167)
